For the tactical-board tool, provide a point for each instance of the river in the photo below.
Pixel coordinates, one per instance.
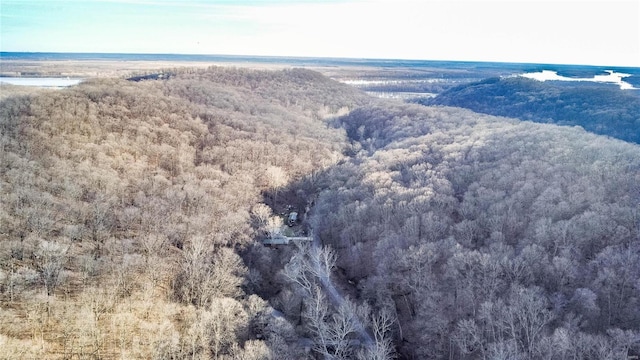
(46, 82)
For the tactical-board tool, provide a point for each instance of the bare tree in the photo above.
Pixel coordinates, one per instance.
(195, 272)
(322, 261)
(206, 273)
(100, 220)
(316, 314)
(261, 214)
(273, 226)
(51, 258)
(276, 178)
(527, 316)
(299, 272)
(381, 324)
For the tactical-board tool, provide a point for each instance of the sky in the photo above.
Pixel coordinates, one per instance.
(544, 31)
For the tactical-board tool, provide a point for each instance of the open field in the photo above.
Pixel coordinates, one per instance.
(104, 68)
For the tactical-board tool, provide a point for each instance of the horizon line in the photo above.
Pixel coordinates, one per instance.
(301, 57)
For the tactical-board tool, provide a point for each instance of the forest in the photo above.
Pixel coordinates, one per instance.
(598, 108)
(130, 211)
(132, 214)
(488, 237)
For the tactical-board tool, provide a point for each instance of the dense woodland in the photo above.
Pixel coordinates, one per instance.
(126, 208)
(132, 214)
(489, 238)
(599, 108)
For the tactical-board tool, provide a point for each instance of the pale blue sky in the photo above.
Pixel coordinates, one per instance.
(544, 31)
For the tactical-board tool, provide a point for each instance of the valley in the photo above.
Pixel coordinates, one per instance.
(134, 213)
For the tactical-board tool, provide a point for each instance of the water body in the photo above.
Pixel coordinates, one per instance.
(374, 75)
(612, 77)
(44, 82)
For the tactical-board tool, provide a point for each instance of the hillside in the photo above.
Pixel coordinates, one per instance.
(126, 207)
(487, 237)
(598, 108)
(132, 212)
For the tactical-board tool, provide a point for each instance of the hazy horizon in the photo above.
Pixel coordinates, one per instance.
(568, 32)
(203, 57)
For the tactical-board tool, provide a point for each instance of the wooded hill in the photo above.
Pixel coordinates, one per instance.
(125, 206)
(599, 108)
(132, 212)
(489, 238)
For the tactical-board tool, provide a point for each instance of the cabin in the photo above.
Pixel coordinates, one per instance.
(284, 240)
(276, 240)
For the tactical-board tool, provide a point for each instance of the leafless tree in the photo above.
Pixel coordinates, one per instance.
(51, 258)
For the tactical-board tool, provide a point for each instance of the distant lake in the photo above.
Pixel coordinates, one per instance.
(47, 82)
(612, 77)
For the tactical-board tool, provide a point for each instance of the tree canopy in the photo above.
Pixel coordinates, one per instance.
(599, 108)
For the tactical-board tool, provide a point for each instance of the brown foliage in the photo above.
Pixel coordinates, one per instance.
(127, 178)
